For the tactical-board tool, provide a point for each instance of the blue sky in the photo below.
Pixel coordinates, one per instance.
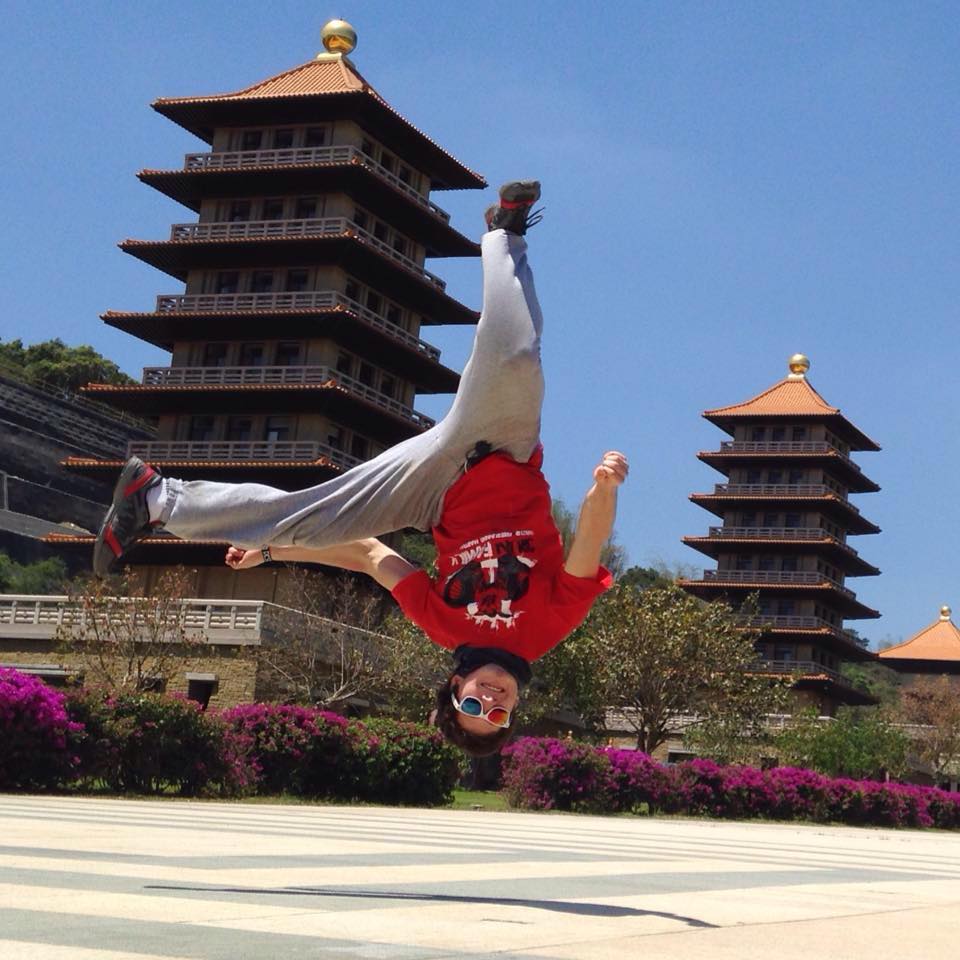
(726, 184)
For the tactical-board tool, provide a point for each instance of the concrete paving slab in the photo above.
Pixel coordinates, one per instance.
(116, 879)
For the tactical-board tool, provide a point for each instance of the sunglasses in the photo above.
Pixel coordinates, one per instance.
(472, 707)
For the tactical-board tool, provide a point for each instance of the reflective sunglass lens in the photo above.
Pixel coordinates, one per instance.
(471, 706)
(499, 717)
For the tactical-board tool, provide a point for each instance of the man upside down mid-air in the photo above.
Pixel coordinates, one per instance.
(504, 594)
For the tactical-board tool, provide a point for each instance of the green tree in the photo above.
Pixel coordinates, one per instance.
(53, 363)
(644, 577)
(39, 577)
(858, 742)
(613, 555)
(875, 679)
(669, 661)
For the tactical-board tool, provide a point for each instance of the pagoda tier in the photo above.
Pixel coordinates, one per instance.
(323, 314)
(313, 170)
(328, 90)
(764, 541)
(733, 454)
(786, 518)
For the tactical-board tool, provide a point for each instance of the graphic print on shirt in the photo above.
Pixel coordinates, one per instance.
(494, 571)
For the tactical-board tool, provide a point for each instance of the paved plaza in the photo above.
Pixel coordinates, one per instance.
(85, 878)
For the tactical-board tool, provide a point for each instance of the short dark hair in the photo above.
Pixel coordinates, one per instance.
(476, 744)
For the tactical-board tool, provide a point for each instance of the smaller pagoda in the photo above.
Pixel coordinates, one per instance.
(934, 650)
(785, 521)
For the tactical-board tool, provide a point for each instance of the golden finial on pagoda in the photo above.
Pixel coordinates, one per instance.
(338, 38)
(798, 365)
(945, 612)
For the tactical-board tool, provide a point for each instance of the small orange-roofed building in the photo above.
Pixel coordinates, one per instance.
(935, 650)
(785, 519)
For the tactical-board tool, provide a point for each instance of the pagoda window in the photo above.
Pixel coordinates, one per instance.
(388, 386)
(239, 429)
(215, 354)
(315, 137)
(261, 281)
(252, 355)
(282, 139)
(360, 447)
(307, 208)
(352, 289)
(792, 519)
(251, 139)
(366, 374)
(201, 429)
(277, 429)
(399, 243)
(288, 353)
(387, 161)
(297, 280)
(752, 476)
(778, 434)
(360, 218)
(394, 315)
(345, 364)
(380, 231)
(748, 519)
(744, 562)
(786, 608)
(238, 210)
(765, 605)
(789, 564)
(784, 653)
(774, 476)
(758, 434)
(766, 563)
(796, 476)
(405, 174)
(272, 209)
(799, 433)
(228, 281)
(335, 438)
(771, 519)
(374, 302)
(366, 146)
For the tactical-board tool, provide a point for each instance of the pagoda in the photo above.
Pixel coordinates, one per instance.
(295, 343)
(786, 518)
(935, 650)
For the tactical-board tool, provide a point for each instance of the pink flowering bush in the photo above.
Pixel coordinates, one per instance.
(36, 734)
(543, 774)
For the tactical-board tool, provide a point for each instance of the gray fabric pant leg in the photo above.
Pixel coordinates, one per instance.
(499, 401)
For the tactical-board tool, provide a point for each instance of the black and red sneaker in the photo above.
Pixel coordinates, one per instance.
(128, 518)
(514, 212)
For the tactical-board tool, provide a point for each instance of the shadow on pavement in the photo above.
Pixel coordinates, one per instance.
(558, 906)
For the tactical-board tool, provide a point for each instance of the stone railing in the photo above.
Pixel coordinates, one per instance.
(779, 621)
(297, 229)
(300, 300)
(282, 376)
(240, 159)
(802, 667)
(778, 533)
(241, 451)
(785, 447)
(777, 578)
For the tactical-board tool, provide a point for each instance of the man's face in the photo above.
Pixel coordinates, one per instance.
(493, 687)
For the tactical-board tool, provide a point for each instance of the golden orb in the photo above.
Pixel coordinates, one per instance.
(798, 364)
(337, 36)
(945, 612)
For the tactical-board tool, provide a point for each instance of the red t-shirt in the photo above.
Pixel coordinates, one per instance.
(501, 580)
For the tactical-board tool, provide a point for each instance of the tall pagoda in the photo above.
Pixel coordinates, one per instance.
(295, 344)
(786, 519)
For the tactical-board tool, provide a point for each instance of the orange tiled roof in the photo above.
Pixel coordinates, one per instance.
(939, 641)
(791, 395)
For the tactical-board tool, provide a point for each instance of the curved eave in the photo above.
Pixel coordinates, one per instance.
(723, 462)
(202, 115)
(718, 504)
(285, 474)
(375, 421)
(821, 681)
(178, 257)
(160, 550)
(919, 664)
(838, 424)
(851, 565)
(850, 608)
(190, 187)
(165, 329)
(824, 638)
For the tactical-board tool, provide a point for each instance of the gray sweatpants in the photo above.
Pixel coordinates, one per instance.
(498, 401)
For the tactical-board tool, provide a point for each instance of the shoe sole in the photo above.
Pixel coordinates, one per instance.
(105, 561)
(520, 191)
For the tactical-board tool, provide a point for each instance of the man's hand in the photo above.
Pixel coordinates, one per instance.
(241, 559)
(612, 470)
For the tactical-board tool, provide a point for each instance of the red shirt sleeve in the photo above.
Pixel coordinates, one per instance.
(417, 599)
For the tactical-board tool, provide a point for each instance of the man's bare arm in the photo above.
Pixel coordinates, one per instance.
(369, 556)
(597, 514)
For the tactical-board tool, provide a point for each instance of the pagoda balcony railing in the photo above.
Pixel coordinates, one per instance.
(779, 621)
(778, 533)
(781, 490)
(285, 376)
(802, 667)
(776, 578)
(286, 229)
(290, 300)
(785, 446)
(237, 160)
(241, 451)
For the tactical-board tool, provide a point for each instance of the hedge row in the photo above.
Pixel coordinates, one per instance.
(151, 743)
(540, 774)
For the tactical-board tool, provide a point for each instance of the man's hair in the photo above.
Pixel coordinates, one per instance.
(476, 744)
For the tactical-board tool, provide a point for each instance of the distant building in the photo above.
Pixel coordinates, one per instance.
(935, 651)
(786, 518)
